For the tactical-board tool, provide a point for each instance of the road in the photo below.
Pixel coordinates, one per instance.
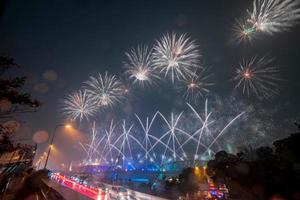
(68, 188)
(71, 190)
(66, 192)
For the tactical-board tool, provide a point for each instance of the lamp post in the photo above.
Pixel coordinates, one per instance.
(51, 142)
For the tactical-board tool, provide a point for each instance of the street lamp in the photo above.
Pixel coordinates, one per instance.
(68, 126)
(51, 142)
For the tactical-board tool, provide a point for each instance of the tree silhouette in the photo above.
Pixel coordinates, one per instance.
(13, 101)
(271, 172)
(11, 91)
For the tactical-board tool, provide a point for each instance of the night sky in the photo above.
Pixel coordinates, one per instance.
(59, 44)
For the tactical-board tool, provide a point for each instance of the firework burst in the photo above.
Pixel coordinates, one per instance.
(79, 105)
(243, 32)
(257, 75)
(175, 56)
(106, 90)
(272, 16)
(170, 143)
(196, 86)
(268, 16)
(139, 66)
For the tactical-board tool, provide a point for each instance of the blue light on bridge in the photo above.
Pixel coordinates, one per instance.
(140, 180)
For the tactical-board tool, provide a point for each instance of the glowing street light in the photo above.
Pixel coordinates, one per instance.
(68, 126)
(197, 171)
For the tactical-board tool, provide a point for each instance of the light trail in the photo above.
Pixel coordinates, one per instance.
(91, 192)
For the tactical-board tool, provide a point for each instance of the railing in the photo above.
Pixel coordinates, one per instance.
(22, 154)
(144, 196)
(138, 195)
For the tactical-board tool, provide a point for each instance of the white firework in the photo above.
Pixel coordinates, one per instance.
(196, 86)
(139, 66)
(175, 56)
(272, 16)
(106, 90)
(269, 16)
(79, 105)
(91, 148)
(258, 75)
(172, 142)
